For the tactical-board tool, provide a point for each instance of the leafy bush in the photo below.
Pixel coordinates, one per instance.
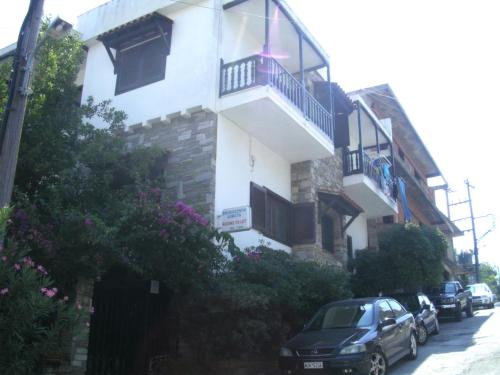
(409, 258)
(264, 297)
(33, 319)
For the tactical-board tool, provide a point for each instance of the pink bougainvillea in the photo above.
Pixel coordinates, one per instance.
(190, 213)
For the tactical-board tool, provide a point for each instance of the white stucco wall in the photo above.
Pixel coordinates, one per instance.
(191, 70)
(234, 172)
(358, 230)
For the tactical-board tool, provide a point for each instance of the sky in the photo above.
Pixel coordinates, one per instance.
(440, 57)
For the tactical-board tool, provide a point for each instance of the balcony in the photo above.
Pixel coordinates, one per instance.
(275, 107)
(269, 72)
(365, 183)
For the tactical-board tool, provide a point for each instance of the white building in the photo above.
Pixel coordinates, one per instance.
(238, 93)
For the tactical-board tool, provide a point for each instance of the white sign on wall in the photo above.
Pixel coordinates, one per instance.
(235, 219)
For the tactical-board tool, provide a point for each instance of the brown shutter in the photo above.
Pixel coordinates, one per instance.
(258, 204)
(341, 136)
(304, 223)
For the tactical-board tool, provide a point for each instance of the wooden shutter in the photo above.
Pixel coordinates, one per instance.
(258, 204)
(341, 136)
(304, 223)
(327, 233)
(128, 72)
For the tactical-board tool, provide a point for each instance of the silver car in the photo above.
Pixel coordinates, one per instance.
(482, 295)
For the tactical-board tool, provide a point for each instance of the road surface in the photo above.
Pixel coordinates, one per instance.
(469, 347)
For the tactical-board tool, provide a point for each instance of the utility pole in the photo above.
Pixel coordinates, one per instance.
(474, 238)
(11, 128)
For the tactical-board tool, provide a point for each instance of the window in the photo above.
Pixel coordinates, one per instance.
(398, 310)
(279, 211)
(327, 233)
(385, 311)
(140, 65)
(389, 219)
(342, 316)
(279, 219)
(350, 254)
(140, 49)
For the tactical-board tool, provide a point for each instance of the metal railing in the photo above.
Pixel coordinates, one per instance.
(353, 164)
(259, 70)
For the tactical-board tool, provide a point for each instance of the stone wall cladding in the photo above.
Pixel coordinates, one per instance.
(191, 145)
(308, 178)
(76, 361)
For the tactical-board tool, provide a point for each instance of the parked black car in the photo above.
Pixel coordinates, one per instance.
(451, 299)
(357, 336)
(424, 312)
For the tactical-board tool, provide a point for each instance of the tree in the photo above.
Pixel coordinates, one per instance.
(488, 275)
(69, 173)
(409, 258)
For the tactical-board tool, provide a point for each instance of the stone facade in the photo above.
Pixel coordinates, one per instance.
(190, 141)
(75, 361)
(308, 178)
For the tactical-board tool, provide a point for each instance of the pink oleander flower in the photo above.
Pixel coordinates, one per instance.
(28, 261)
(17, 267)
(51, 292)
(4, 291)
(88, 222)
(42, 270)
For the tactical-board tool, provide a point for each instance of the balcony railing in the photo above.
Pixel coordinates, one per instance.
(259, 70)
(352, 166)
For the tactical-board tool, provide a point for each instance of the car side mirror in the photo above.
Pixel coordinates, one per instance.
(387, 322)
(460, 290)
(426, 307)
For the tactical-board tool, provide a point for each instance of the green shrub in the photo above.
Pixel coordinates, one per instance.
(264, 297)
(409, 259)
(33, 319)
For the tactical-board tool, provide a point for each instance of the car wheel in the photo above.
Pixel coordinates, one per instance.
(412, 355)
(422, 334)
(458, 313)
(436, 327)
(469, 311)
(378, 364)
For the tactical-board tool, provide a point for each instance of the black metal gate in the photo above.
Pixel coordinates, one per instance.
(131, 327)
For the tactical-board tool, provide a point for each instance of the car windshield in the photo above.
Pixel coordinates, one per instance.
(410, 302)
(447, 288)
(472, 288)
(342, 316)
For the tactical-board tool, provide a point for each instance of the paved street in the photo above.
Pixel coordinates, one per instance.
(469, 347)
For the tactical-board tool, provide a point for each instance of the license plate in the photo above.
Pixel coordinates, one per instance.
(313, 365)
